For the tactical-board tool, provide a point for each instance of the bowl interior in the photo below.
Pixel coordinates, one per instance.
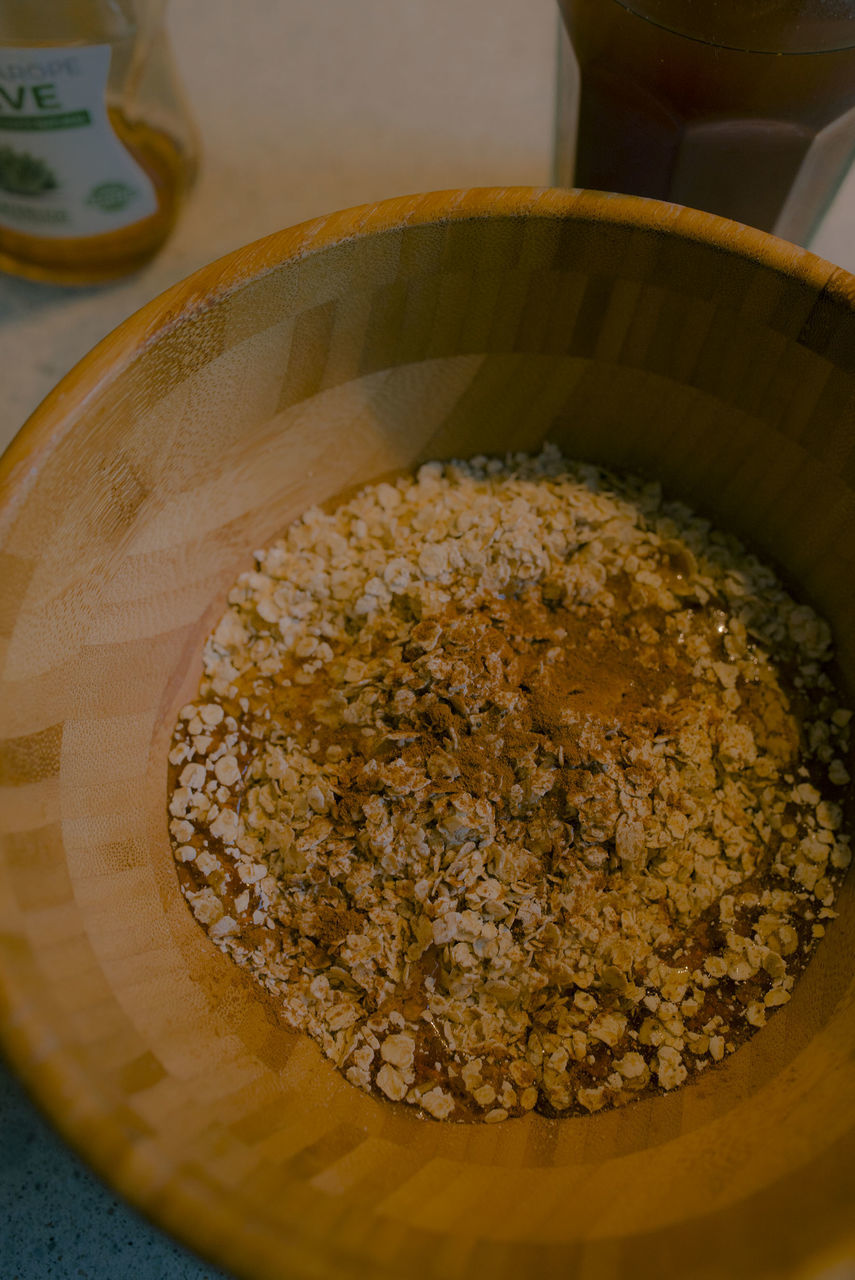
(630, 333)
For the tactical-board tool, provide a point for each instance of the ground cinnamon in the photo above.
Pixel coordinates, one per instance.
(515, 786)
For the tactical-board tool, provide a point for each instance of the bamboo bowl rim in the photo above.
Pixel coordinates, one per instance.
(207, 286)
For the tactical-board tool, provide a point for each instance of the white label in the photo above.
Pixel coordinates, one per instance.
(63, 171)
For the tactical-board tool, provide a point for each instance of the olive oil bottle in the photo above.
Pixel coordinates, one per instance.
(97, 148)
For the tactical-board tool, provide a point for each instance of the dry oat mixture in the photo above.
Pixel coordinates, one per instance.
(516, 787)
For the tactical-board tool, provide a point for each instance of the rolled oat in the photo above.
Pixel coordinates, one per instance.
(515, 785)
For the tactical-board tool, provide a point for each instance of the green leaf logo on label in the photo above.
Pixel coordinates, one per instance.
(24, 175)
(64, 170)
(111, 196)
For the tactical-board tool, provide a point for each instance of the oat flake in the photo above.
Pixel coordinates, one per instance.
(515, 785)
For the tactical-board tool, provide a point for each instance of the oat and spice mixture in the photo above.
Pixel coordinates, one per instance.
(516, 786)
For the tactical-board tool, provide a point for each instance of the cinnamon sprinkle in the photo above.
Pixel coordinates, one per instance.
(516, 786)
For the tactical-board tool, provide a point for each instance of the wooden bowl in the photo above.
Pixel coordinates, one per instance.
(628, 331)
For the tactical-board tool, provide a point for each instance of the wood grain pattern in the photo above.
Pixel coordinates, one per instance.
(630, 332)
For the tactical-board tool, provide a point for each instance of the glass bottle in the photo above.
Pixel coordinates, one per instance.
(744, 108)
(97, 148)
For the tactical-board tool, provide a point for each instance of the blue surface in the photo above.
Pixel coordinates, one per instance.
(59, 1222)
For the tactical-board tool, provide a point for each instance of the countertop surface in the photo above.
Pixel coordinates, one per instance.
(302, 109)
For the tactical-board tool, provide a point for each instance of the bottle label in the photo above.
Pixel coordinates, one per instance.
(63, 170)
